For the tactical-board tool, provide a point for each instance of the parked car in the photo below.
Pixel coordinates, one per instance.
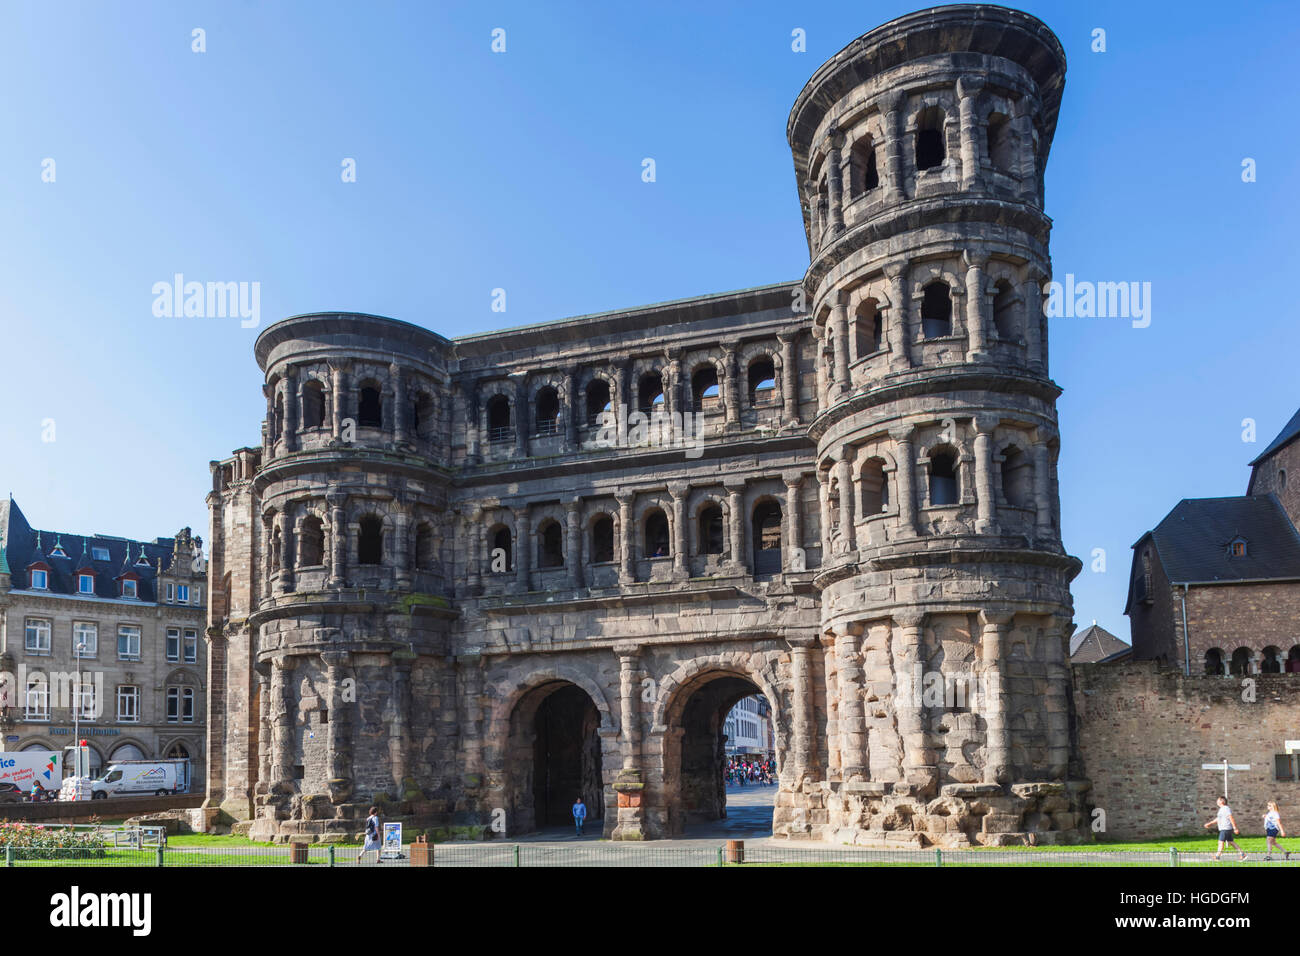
(11, 793)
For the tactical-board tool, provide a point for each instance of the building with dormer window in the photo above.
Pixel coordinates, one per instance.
(131, 614)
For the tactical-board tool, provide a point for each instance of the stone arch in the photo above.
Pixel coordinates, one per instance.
(692, 704)
(521, 722)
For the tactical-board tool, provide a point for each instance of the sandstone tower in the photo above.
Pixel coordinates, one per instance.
(920, 151)
(443, 584)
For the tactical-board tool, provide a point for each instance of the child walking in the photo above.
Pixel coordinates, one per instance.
(1272, 830)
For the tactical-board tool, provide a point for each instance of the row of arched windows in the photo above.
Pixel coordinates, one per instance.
(655, 539)
(598, 399)
(999, 142)
(1245, 661)
(366, 408)
(945, 478)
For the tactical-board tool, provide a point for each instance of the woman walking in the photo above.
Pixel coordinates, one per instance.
(1272, 830)
(374, 828)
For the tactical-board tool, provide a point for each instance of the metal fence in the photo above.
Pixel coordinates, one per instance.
(604, 854)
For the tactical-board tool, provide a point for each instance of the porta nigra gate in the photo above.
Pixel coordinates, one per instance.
(473, 579)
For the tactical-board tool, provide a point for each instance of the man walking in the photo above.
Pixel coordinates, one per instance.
(1227, 828)
(579, 815)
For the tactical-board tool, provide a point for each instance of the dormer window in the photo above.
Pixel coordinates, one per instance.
(142, 561)
(40, 580)
(129, 588)
(85, 584)
(1237, 548)
(58, 551)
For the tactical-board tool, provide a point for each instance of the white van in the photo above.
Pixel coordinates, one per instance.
(127, 777)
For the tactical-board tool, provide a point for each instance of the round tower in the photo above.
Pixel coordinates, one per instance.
(919, 151)
(349, 617)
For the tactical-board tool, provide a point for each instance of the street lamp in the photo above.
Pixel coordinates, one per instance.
(76, 714)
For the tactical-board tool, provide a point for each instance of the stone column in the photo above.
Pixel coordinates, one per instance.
(803, 740)
(474, 553)
(792, 554)
(835, 188)
(626, 569)
(338, 538)
(338, 736)
(1023, 123)
(628, 785)
(898, 333)
(570, 408)
(839, 321)
(1056, 636)
(266, 694)
(906, 473)
(679, 492)
(399, 402)
(523, 548)
(824, 500)
(1035, 346)
(399, 728)
(985, 496)
(893, 108)
(523, 416)
(789, 378)
(736, 526)
(573, 544)
(844, 478)
(1043, 526)
(290, 434)
(472, 439)
(284, 725)
(968, 89)
(402, 549)
(732, 386)
(907, 650)
(470, 666)
(270, 426)
(288, 539)
(673, 385)
(976, 300)
(621, 401)
(993, 637)
(819, 355)
(854, 759)
(338, 389)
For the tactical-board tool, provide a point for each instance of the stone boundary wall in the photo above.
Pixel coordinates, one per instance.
(1143, 734)
(113, 808)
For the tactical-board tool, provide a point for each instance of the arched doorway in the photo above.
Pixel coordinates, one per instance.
(696, 758)
(554, 757)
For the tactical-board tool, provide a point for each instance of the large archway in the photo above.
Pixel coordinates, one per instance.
(554, 757)
(696, 753)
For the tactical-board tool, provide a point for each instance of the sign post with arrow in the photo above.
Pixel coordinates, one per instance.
(1225, 767)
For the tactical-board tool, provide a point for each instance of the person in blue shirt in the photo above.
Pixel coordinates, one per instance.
(579, 815)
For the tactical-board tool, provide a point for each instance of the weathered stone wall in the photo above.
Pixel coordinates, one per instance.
(1143, 733)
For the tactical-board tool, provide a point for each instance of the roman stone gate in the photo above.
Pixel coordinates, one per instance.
(474, 579)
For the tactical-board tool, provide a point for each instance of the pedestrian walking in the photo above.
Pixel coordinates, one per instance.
(1227, 825)
(374, 829)
(579, 815)
(1272, 830)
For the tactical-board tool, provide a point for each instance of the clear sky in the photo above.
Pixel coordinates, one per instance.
(522, 170)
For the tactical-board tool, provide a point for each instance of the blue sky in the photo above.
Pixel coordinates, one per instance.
(522, 171)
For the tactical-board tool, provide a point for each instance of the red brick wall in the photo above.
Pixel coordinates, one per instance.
(1264, 479)
(1144, 733)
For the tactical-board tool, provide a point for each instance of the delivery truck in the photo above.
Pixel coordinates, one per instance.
(26, 767)
(130, 777)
